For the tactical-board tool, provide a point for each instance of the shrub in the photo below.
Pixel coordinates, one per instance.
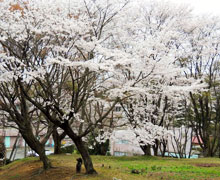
(67, 149)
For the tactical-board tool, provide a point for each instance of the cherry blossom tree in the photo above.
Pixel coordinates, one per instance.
(73, 61)
(156, 78)
(57, 56)
(202, 62)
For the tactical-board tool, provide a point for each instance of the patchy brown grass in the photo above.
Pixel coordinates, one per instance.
(32, 170)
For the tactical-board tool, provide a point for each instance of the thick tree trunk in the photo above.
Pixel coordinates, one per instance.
(81, 148)
(35, 145)
(57, 142)
(155, 151)
(57, 138)
(85, 155)
(103, 149)
(46, 161)
(39, 149)
(57, 146)
(156, 147)
(146, 150)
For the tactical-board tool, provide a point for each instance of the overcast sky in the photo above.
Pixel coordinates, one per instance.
(203, 6)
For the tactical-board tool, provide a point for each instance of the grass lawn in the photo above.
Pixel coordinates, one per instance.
(114, 168)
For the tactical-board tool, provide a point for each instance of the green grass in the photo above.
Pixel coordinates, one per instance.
(121, 168)
(159, 168)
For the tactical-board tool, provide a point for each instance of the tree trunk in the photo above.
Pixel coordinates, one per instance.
(102, 149)
(40, 150)
(219, 141)
(35, 145)
(46, 161)
(163, 146)
(146, 150)
(207, 152)
(85, 155)
(155, 147)
(57, 146)
(57, 142)
(81, 148)
(218, 118)
(57, 138)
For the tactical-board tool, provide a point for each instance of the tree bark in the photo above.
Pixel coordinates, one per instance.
(57, 142)
(35, 145)
(57, 138)
(45, 160)
(85, 155)
(146, 150)
(162, 147)
(57, 146)
(156, 147)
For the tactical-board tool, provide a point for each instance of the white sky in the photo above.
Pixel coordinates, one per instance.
(203, 6)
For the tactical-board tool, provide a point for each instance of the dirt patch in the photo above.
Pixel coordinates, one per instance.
(56, 173)
(33, 171)
(207, 165)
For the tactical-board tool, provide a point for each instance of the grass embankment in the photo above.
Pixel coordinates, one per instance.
(114, 167)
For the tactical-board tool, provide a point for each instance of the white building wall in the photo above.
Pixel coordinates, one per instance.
(124, 143)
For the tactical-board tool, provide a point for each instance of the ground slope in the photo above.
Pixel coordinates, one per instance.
(114, 167)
